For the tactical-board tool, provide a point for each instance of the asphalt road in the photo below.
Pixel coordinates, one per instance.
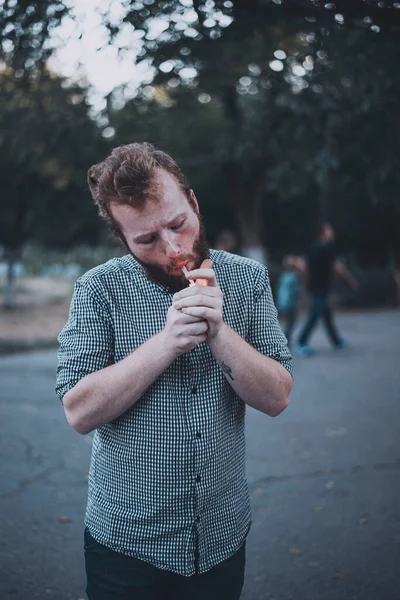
(324, 478)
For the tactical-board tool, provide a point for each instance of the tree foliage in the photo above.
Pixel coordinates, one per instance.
(25, 28)
(281, 113)
(305, 94)
(47, 139)
(47, 142)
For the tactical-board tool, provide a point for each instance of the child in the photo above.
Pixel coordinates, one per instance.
(288, 293)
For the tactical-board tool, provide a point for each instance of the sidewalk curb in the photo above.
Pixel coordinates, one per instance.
(14, 346)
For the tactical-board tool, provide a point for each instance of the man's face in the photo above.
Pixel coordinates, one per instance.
(328, 234)
(164, 234)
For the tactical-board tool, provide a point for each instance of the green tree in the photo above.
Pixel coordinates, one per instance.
(25, 28)
(295, 83)
(24, 32)
(47, 139)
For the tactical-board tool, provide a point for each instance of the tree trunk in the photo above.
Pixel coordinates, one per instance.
(250, 227)
(247, 201)
(9, 288)
(246, 193)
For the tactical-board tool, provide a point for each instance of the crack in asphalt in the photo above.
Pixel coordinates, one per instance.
(324, 472)
(269, 479)
(30, 452)
(26, 482)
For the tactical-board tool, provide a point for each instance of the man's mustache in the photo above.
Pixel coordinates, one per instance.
(181, 259)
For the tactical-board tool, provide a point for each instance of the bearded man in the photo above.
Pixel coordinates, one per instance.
(163, 350)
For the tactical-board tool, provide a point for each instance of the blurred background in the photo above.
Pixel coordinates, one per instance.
(282, 113)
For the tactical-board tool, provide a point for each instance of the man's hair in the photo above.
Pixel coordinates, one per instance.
(127, 176)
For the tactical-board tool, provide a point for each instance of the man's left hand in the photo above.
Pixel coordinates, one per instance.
(204, 299)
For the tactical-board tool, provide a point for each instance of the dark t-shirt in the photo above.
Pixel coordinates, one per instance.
(320, 261)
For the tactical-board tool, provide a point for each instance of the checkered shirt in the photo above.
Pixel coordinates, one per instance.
(167, 479)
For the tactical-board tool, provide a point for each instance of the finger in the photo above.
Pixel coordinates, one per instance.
(197, 300)
(194, 291)
(197, 328)
(203, 277)
(200, 311)
(199, 338)
(206, 264)
(185, 319)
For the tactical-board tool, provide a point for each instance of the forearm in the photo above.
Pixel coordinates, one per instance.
(104, 395)
(258, 380)
(345, 273)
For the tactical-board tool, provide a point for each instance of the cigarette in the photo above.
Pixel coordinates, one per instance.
(185, 272)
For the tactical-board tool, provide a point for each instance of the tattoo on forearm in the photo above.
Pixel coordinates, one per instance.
(227, 370)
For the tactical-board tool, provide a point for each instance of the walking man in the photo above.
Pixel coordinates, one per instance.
(160, 365)
(320, 265)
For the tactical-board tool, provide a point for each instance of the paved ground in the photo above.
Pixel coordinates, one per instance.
(324, 478)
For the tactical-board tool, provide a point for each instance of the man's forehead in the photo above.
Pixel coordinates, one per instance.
(166, 184)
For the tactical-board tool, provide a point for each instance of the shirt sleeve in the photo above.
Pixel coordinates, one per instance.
(265, 333)
(86, 341)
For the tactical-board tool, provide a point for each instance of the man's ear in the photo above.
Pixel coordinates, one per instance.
(194, 202)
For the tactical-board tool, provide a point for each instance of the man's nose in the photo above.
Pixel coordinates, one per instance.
(172, 248)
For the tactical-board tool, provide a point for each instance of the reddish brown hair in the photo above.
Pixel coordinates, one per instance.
(127, 176)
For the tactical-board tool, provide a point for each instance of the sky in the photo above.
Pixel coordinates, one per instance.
(81, 58)
(78, 41)
(83, 51)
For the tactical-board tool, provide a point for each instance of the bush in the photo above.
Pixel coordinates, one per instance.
(74, 261)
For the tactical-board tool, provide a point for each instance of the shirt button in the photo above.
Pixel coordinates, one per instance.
(194, 390)
(198, 478)
(198, 435)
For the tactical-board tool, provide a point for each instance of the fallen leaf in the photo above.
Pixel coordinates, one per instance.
(294, 551)
(319, 508)
(330, 485)
(339, 576)
(363, 521)
(64, 519)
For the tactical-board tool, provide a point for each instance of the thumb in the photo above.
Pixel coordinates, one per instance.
(206, 264)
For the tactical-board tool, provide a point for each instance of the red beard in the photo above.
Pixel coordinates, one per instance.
(175, 283)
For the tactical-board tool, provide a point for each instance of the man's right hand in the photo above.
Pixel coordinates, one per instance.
(184, 332)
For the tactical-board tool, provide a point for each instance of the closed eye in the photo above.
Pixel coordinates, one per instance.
(147, 242)
(150, 240)
(175, 227)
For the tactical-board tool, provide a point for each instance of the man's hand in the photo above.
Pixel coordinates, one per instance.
(203, 300)
(345, 273)
(183, 332)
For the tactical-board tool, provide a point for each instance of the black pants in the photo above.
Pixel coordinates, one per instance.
(319, 309)
(115, 576)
